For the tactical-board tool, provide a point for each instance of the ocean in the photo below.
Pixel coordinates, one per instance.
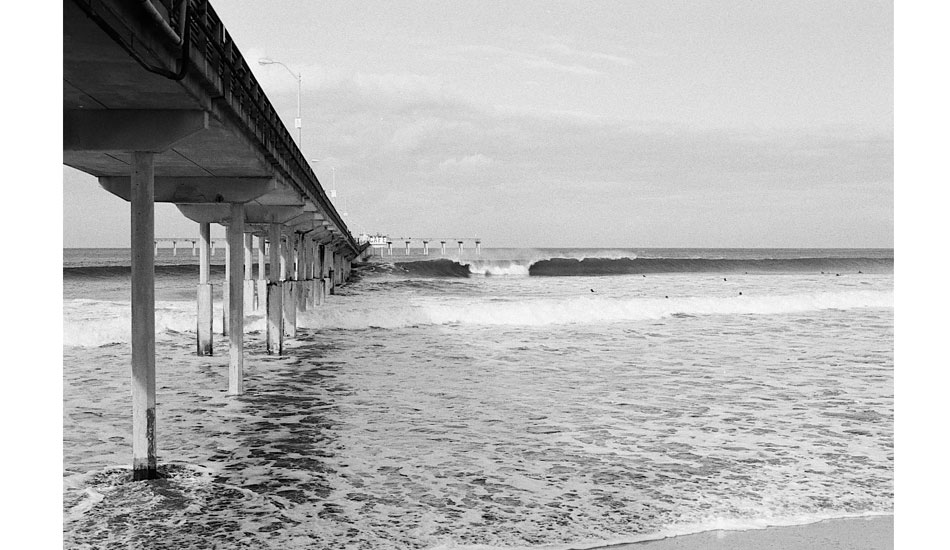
(519, 398)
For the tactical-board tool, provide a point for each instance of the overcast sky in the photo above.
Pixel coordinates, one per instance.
(598, 124)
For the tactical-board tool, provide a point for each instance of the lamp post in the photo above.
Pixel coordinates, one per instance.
(297, 122)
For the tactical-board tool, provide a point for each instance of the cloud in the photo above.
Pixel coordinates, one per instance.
(566, 50)
(508, 58)
(408, 139)
(467, 162)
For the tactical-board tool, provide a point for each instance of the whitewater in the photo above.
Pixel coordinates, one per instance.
(518, 399)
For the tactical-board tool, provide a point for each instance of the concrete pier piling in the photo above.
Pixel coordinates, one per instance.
(425, 248)
(310, 302)
(407, 247)
(301, 273)
(205, 293)
(144, 462)
(461, 244)
(321, 276)
(236, 300)
(249, 284)
(226, 296)
(275, 329)
(290, 305)
(260, 297)
(283, 258)
(443, 247)
(290, 309)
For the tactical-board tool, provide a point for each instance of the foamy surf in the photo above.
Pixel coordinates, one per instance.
(89, 323)
(583, 310)
(94, 323)
(675, 530)
(497, 412)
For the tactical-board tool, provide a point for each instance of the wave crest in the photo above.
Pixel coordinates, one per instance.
(586, 310)
(596, 266)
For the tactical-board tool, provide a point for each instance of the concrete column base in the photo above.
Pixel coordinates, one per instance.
(290, 309)
(275, 325)
(311, 293)
(250, 296)
(303, 292)
(205, 319)
(225, 309)
(260, 299)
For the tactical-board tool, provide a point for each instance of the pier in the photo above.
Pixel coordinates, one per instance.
(423, 243)
(160, 106)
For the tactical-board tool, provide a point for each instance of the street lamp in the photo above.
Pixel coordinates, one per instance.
(297, 122)
(333, 184)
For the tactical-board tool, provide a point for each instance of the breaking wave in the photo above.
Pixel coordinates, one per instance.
(566, 267)
(584, 310)
(636, 266)
(124, 271)
(433, 268)
(90, 323)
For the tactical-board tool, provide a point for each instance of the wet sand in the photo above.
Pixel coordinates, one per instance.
(875, 533)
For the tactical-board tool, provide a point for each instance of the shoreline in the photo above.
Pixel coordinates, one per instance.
(853, 533)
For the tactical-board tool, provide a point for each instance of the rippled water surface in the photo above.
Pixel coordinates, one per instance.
(500, 411)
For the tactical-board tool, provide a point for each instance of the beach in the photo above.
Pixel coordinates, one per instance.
(841, 534)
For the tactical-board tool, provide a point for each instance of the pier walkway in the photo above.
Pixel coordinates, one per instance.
(160, 105)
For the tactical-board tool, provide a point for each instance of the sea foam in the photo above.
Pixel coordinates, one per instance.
(584, 310)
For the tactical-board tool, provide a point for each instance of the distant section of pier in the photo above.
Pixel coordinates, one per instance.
(383, 244)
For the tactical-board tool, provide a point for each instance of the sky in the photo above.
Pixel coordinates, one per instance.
(575, 124)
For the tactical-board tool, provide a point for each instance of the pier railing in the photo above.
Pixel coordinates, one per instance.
(214, 55)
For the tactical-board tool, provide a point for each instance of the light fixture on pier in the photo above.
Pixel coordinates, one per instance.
(297, 121)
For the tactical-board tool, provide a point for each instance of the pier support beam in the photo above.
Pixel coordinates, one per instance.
(249, 284)
(290, 306)
(226, 296)
(425, 248)
(290, 309)
(205, 293)
(311, 274)
(143, 133)
(300, 274)
(443, 247)
(260, 298)
(236, 300)
(319, 270)
(144, 462)
(274, 304)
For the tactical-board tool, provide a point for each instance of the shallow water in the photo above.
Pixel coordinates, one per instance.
(499, 411)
